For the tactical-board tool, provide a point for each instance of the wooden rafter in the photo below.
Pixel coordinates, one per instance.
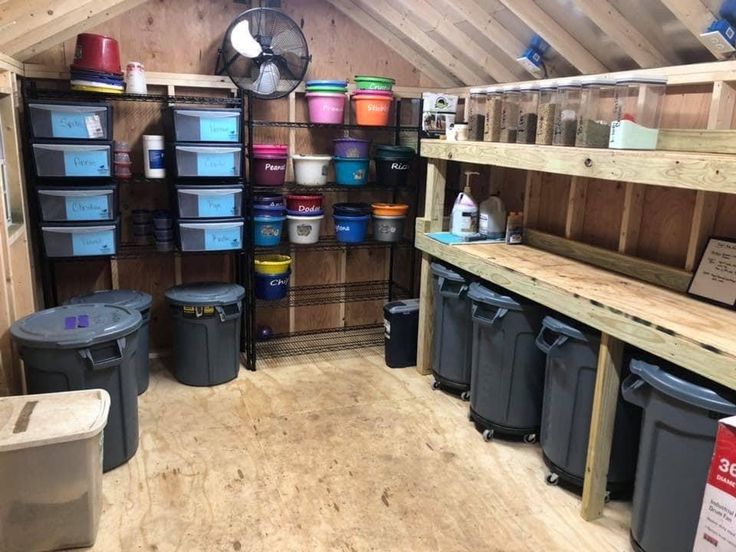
(541, 23)
(694, 15)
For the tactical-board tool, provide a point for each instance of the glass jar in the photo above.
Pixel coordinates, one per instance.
(509, 115)
(595, 114)
(475, 114)
(546, 113)
(494, 105)
(637, 112)
(528, 103)
(566, 118)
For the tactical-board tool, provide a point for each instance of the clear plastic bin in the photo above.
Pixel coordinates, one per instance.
(637, 113)
(475, 114)
(209, 201)
(80, 239)
(566, 118)
(528, 104)
(203, 125)
(509, 115)
(211, 235)
(79, 203)
(65, 159)
(199, 161)
(596, 111)
(494, 106)
(77, 121)
(546, 112)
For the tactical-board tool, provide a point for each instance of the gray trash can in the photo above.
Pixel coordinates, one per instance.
(88, 346)
(453, 336)
(206, 331)
(678, 431)
(569, 386)
(132, 299)
(507, 376)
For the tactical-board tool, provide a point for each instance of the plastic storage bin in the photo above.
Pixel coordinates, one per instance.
(546, 113)
(90, 346)
(51, 472)
(206, 319)
(509, 115)
(453, 331)
(80, 239)
(476, 114)
(209, 201)
(637, 113)
(507, 369)
(203, 125)
(566, 118)
(596, 111)
(678, 431)
(569, 387)
(77, 203)
(494, 107)
(75, 121)
(135, 300)
(71, 159)
(211, 234)
(207, 161)
(528, 105)
(401, 330)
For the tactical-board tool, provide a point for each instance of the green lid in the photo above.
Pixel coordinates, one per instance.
(130, 298)
(203, 294)
(318, 88)
(369, 78)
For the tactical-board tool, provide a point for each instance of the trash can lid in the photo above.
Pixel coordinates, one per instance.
(401, 307)
(52, 418)
(481, 294)
(75, 326)
(581, 332)
(205, 294)
(131, 298)
(447, 273)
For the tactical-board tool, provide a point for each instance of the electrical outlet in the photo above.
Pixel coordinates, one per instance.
(532, 62)
(717, 43)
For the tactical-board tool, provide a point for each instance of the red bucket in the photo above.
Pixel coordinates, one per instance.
(97, 53)
(269, 170)
(304, 203)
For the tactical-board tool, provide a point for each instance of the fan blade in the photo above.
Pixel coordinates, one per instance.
(268, 79)
(243, 42)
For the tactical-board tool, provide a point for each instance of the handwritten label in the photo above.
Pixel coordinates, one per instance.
(93, 243)
(68, 125)
(88, 208)
(86, 163)
(220, 129)
(716, 276)
(216, 164)
(217, 205)
(218, 239)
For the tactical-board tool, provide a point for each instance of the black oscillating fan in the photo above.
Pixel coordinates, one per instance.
(264, 51)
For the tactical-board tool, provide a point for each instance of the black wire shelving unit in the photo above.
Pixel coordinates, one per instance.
(321, 341)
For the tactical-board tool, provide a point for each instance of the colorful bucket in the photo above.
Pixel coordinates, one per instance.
(272, 287)
(326, 107)
(272, 264)
(352, 148)
(304, 229)
(269, 170)
(388, 228)
(372, 110)
(269, 199)
(304, 203)
(268, 210)
(351, 171)
(392, 171)
(369, 82)
(351, 229)
(269, 149)
(267, 230)
(351, 209)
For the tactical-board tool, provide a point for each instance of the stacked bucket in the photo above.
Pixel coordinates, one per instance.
(372, 100)
(389, 220)
(304, 214)
(272, 277)
(352, 162)
(326, 101)
(393, 164)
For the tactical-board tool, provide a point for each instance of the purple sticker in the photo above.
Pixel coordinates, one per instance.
(70, 322)
(83, 321)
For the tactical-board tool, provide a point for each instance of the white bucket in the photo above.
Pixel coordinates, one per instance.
(304, 229)
(153, 156)
(311, 170)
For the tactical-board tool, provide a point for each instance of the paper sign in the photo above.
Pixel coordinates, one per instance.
(68, 125)
(94, 126)
(88, 208)
(86, 163)
(222, 129)
(156, 159)
(93, 243)
(715, 278)
(217, 205)
(216, 164)
(217, 239)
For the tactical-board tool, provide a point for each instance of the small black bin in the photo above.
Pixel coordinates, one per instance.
(401, 324)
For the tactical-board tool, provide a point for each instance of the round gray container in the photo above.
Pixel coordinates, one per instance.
(206, 332)
(678, 432)
(89, 346)
(388, 229)
(507, 374)
(132, 299)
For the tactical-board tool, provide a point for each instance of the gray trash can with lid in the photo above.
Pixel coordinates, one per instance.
(680, 419)
(453, 336)
(572, 362)
(507, 377)
(89, 346)
(132, 299)
(206, 331)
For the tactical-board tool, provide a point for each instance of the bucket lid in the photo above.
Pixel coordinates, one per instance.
(400, 307)
(348, 139)
(579, 331)
(311, 157)
(28, 421)
(447, 273)
(323, 82)
(305, 214)
(371, 78)
(481, 294)
(74, 326)
(131, 298)
(358, 208)
(205, 294)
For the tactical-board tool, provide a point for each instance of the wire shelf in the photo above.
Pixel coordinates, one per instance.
(321, 341)
(325, 294)
(288, 124)
(65, 94)
(329, 187)
(329, 243)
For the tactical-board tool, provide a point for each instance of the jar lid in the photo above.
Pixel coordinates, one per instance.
(636, 79)
(568, 85)
(476, 91)
(493, 90)
(549, 85)
(510, 89)
(531, 87)
(597, 81)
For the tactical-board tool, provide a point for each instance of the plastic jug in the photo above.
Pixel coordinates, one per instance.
(464, 217)
(492, 219)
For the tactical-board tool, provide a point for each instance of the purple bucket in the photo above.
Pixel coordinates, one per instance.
(352, 148)
(269, 170)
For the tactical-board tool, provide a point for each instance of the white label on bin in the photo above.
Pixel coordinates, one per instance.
(94, 126)
(86, 163)
(217, 205)
(216, 164)
(224, 129)
(87, 208)
(93, 243)
(217, 239)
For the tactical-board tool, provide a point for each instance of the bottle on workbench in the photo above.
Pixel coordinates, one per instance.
(515, 228)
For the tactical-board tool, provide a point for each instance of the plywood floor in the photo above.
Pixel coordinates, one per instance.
(336, 453)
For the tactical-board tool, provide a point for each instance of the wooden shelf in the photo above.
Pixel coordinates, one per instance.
(696, 171)
(685, 331)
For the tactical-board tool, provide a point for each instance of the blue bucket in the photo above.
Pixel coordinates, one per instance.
(351, 229)
(272, 287)
(267, 230)
(351, 172)
(268, 210)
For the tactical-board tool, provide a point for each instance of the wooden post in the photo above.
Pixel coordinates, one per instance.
(607, 383)
(576, 208)
(532, 198)
(628, 237)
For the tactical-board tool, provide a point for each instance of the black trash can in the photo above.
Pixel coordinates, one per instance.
(507, 376)
(453, 335)
(89, 346)
(680, 419)
(401, 328)
(131, 299)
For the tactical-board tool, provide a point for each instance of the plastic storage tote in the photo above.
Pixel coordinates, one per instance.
(70, 159)
(77, 203)
(678, 431)
(211, 235)
(401, 330)
(569, 387)
(80, 239)
(637, 112)
(51, 469)
(203, 125)
(209, 201)
(206, 319)
(453, 331)
(75, 121)
(90, 346)
(135, 300)
(199, 161)
(507, 369)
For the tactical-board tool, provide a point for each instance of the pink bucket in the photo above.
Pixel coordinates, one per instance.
(269, 149)
(325, 107)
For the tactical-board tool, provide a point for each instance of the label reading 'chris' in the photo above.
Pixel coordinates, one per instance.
(88, 208)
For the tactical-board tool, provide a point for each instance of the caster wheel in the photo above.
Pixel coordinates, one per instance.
(470, 416)
(530, 438)
(607, 497)
(435, 385)
(465, 395)
(487, 435)
(552, 479)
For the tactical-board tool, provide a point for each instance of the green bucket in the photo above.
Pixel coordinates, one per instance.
(393, 152)
(366, 82)
(325, 88)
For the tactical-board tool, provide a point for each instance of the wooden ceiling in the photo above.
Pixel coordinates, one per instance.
(453, 42)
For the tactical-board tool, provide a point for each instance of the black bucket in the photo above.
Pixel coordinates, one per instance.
(392, 171)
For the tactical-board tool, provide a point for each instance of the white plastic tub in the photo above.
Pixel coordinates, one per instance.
(304, 229)
(51, 469)
(311, 170)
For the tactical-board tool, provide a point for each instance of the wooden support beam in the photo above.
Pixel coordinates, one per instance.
(562, 41)
(616, 26)
(607, 384)
(695, 16)
(532, 198)
(628, 236)
(576, 208)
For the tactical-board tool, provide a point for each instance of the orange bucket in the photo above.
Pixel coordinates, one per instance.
(372, 109)
(390, 209)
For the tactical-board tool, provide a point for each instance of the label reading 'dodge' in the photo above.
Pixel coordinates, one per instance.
(93, 243)
(86, 163)
(87, 208)
(223, 129)
(68, 125)
(217, 239)
(217, 205)
(216, 164)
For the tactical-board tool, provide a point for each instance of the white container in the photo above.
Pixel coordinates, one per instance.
(153, 156)
(51, 469)
(637, 112)
(304, 229)
(311, 170)
(135, 78)
(492, 219)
